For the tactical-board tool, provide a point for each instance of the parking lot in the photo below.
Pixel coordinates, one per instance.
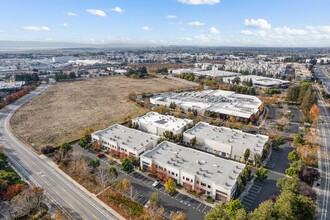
(251, 196)
(183, 199)
(276, 165)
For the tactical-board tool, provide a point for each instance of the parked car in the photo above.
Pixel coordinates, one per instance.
(147, 204)
(100, 155)
(155, 183)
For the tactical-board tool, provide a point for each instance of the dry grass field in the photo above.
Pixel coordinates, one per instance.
(64, 110)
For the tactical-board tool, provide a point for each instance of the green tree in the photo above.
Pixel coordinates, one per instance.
(293, 156)
(265, 211)
(94, 163)
(233, 211)
(127, 165)
(262, 174)
(65, 147)
(155, 198)
(113, 172)
(170, 186)
(298, 139)
(246, 155)
(257, 160)
(295, 168)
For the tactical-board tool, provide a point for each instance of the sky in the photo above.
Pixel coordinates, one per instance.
(272, 23)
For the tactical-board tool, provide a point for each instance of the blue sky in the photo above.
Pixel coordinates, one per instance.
(168, 22)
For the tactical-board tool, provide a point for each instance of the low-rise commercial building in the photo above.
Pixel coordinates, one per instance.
(226, 103)
(119, 139)
(195, 170)
(260, 81)
(225, 142)
(155, 123)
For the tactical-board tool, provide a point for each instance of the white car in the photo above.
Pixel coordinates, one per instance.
(155, 183)
(147, 204)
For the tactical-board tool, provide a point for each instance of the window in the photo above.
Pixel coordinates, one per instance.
(197, 182)
(191, 180)
(208, 186)
(187, 179)
(172, 173)
(176, 174)
(203, 184)
(183, 177)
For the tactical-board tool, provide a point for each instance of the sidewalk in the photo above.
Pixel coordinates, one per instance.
(91, 195)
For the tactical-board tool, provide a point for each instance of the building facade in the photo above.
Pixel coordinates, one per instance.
(225, 142)
(118, 139)
(205, 173)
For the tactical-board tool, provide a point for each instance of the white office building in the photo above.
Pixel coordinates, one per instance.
(120, 139)
(155, 123)
(225, 142)
(195, 170)
(260, 81)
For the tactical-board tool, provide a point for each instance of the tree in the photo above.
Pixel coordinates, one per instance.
(295, 168)
(233, 211)
(113, 172)
(298, 139)
(170, 186)
(65, 147)
(246, 155)
(155, 198)
(125, 184)
(314, 113)
(47, 150)
(127, 165)
(262, 174)
(94, 163)
(179, 215)
(264, 211)
(293, 156)
(257, 160)
(309, 175)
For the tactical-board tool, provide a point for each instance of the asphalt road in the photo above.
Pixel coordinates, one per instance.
(63, 192)
(323, 195)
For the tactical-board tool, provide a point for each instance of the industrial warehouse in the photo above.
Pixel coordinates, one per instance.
(226, 103)
(195, 170)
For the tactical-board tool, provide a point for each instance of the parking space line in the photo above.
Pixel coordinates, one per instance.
(249, 199)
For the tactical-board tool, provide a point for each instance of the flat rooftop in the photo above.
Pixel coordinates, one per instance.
(127, 137)
(260, 80)
(11, 85)
(166, 122)
(238, 140)
(221, 171)
(220, 73)
(225, 102)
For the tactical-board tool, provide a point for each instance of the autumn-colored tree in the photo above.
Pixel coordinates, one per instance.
(170, 185)
(179, 215)
(96, 146)
(125, 185)
(314, 113)
(217, 121)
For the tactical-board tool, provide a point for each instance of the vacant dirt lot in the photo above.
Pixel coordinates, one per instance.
(64, 110)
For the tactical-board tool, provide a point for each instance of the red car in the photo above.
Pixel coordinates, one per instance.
(100, 155)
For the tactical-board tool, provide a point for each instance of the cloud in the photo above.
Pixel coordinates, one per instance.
(171, 17)
(290, 31)
(96, 12)
(71, 14)
(36, 28)
(257, 23)
(207, 39)
(213, 30)
(196, 23)
(65, 25)
(246, 32)
(199, 2)
(319, 29)
(117, 9)
(146, 28)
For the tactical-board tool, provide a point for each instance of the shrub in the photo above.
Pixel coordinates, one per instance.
(209, 199)
(47, 150)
